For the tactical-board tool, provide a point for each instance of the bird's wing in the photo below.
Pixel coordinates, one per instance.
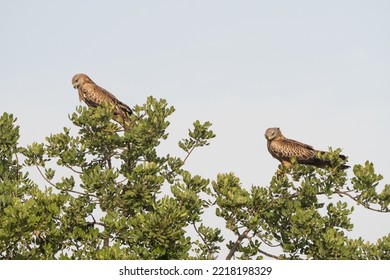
(286, 148)
(95, 95)
(92, 94)
(121, 108)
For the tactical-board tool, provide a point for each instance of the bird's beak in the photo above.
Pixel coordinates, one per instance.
(75, 86)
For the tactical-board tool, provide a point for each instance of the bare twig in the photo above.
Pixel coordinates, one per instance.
(53, 185)
(185, 159)
(81, 193)
(189, 153)
(204, 241)
(266, 242)
(44, 177)
(269, 255)
(137, 119)
(74, 170)
(346, 193)
(96, 222)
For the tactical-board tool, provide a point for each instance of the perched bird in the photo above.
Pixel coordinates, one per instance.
(94, 95)
(283, 149)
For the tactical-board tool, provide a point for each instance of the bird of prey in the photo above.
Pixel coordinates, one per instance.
(94, 95)
(283, 149)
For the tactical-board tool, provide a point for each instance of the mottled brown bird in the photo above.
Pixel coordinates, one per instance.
(283, 149)
(94, 95)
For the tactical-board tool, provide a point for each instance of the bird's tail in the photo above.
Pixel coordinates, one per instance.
(124, 109)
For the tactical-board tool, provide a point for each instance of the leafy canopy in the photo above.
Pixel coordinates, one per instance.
(108, 194)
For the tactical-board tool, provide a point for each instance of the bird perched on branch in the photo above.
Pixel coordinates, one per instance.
(94, 95)
(283, 149)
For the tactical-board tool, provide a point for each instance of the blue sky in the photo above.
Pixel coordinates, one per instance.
(319, 70)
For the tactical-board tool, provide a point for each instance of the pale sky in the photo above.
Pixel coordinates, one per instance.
(319, 70)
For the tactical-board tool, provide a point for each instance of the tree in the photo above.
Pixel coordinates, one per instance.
(108, 194)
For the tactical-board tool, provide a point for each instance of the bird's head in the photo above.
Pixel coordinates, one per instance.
(272, 133)
(80, 79)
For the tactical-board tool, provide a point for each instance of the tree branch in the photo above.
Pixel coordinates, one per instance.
(204, 241)
(266, 242)
(130, 123)
(237, 243)
(106, 242)
(74, 170)
(95, 222)
(190, 151)
(54, 186)
(268, 254)
(44, 177)
(341, 193)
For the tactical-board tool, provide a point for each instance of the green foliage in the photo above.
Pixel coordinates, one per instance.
(107, 193)
(290, 214)
(365, 182)
(119, 199)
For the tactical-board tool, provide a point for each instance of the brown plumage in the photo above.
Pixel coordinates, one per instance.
(94, 95)
(283, 149)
